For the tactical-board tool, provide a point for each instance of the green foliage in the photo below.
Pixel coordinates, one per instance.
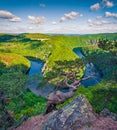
(106, 44)
(106, 62)
(27, 104)
(61, 68)
(103, 95)
(12, 83)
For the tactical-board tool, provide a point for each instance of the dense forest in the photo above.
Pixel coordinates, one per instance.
(17, 102)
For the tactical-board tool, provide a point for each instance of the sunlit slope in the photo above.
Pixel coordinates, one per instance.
(50, 48)
(13, 60)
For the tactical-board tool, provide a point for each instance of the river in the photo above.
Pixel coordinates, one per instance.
(36, 68)
(90, 69)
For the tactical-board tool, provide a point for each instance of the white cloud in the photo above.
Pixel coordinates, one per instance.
(6, 14)
(95, 7)
(110, 28)
(109, 14)
(98, 22)
(85, 29)
(109, 4)
(15, 19)
(36, 20)
(30, 27)
(42, 5)
(62, 29)
(54, 22)
(9, 16)
(102, 4)
(70, 16)
(62, 19)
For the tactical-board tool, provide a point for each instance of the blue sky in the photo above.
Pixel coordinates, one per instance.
(58, 16)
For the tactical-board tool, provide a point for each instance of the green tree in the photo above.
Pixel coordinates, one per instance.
(105, 44)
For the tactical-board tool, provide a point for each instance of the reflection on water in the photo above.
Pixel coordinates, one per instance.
(90, 70)
(36, 67)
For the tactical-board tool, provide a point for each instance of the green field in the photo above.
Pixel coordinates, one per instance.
(57, 53)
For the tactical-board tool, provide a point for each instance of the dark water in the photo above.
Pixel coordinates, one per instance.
(78, 52)
(36, 67)
(90, 70)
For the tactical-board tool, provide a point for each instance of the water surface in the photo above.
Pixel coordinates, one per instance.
(90, 70)
(36, 67)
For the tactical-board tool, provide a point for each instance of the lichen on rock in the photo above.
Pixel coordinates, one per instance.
(72, 116)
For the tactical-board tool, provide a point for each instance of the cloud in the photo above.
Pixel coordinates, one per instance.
(102, 4)
(15, 19)
(70, 16)
(63, 19)
(105, 29)
(54, 22)
(79, 29)
(9, 16)
(107, 3)
(95, 7)
(98, 22)
(36, 20)
(42, 5)
(109, 14)
(60, 28)
(30, 27)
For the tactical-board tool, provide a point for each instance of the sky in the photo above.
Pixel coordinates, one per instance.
(58, 16)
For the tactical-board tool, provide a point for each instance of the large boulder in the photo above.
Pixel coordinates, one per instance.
(72, 116)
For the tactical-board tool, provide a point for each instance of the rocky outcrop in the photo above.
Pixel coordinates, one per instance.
(72, 116)
(103, 123)
(106, 113)
(78, 115)
(34, 123)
